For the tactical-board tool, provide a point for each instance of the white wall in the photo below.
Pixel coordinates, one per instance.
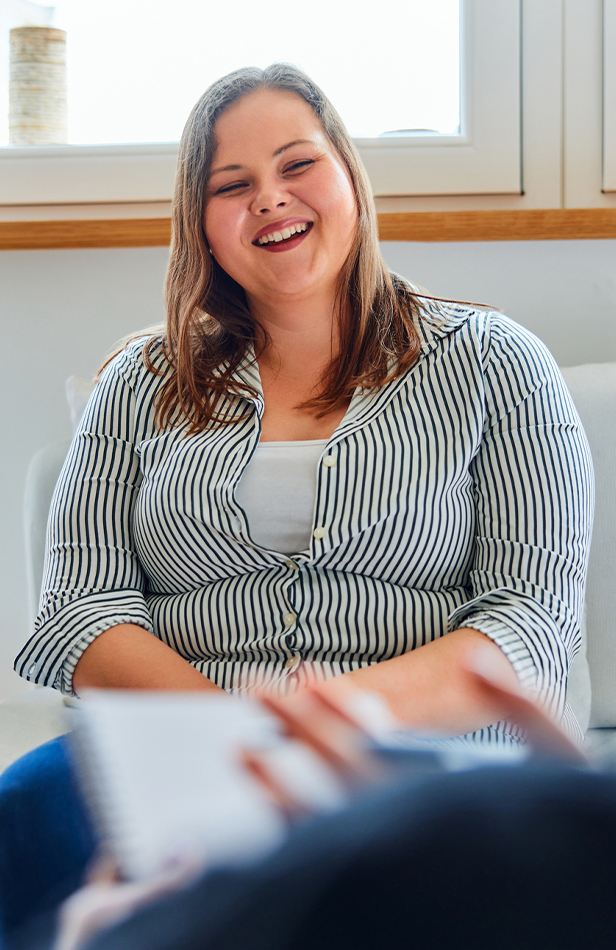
(564, 291)
(61, 310)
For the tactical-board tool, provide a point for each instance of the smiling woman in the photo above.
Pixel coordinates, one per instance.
(263, 149)
(313, 471)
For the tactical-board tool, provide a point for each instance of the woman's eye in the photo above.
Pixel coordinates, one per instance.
(297, 166)
(235, 186)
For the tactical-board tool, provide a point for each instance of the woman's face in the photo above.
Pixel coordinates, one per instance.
(280, 212)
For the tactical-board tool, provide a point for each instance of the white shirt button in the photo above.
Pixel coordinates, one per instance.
(289, 619)
(329, 461)
(292, 662)
(319, 533)
(292, 565)
(32, 669)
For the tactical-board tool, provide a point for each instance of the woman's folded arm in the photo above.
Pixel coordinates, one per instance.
(128, 657)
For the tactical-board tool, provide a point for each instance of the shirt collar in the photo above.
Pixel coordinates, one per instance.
(247, 375)
(437, 320)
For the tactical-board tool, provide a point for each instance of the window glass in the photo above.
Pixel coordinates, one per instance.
(136, 67)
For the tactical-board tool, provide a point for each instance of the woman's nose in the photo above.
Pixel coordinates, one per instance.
(268, 197)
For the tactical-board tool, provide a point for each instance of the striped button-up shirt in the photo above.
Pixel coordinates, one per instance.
(460, 494)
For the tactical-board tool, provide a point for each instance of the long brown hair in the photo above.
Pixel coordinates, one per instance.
(209, 325)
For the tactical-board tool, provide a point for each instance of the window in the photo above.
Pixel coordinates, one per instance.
(464, 138)
(484, 158)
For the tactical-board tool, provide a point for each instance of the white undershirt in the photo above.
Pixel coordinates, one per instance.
(277, 491)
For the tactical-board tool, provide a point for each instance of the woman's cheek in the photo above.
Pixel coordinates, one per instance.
(227, 234)
(229, 252)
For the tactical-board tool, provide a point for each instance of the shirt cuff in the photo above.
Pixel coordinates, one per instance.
(50, 656)
(510, 642)
(64, 677)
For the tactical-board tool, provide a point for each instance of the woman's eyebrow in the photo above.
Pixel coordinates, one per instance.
(283, 148)
(226, 168)
(279, 151)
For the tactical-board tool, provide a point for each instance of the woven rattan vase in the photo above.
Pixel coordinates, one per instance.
(37, 86)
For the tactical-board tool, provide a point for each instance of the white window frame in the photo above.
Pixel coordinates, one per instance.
(609, 95)
(484, 159)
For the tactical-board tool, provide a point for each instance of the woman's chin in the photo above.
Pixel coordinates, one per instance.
(294, 283)
(293, 293)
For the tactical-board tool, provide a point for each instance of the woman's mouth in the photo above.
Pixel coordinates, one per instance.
(285, 238)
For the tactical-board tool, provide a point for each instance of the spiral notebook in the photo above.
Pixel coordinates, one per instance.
(164, 778)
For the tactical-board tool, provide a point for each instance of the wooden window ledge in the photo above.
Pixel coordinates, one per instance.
(534, 225)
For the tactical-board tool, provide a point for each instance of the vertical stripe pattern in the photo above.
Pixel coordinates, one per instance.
(460, 495)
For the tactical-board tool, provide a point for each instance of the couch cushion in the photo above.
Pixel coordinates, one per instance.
(593, 387)
(33, 716)
(579, 694)
(41, 481)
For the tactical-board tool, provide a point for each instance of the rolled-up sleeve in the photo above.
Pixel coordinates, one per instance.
(534, 495)
(92, 578)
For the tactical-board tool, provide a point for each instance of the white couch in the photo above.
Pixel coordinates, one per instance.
(593, 387)
(37, 714)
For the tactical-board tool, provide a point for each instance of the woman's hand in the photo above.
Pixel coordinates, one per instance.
(128, 657)
(431, 689)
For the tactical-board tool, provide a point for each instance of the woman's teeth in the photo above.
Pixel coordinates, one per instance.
(283, 235)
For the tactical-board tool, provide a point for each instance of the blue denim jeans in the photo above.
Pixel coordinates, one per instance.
(46, 838)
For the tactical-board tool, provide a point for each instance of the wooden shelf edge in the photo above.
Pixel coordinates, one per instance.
(560, 224)
(534, 225)
(104, 232)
